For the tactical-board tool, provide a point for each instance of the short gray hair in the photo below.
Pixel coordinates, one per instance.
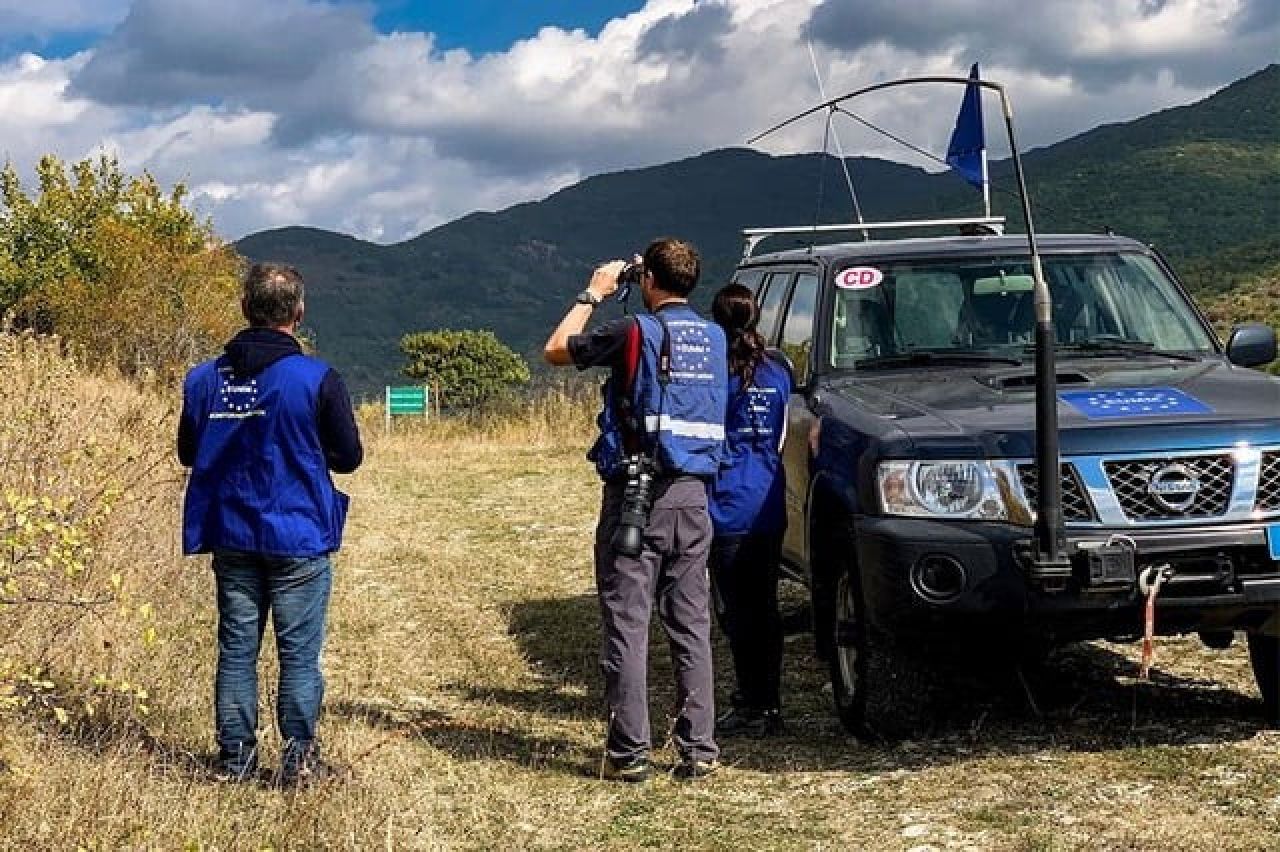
(272, 294)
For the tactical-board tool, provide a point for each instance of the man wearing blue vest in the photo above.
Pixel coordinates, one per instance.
(664, 401)
(261, 427)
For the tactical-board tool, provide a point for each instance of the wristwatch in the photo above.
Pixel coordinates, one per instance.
(586, 297)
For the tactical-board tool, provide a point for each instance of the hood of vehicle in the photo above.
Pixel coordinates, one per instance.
(1105, 405)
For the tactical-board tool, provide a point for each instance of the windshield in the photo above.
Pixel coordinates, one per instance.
(1101, 302)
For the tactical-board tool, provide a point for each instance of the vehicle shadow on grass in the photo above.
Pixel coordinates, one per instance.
(1084, 698)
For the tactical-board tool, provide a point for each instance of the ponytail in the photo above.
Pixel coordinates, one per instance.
(734, 309)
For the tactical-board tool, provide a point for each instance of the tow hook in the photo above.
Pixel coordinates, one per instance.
(1149, 583)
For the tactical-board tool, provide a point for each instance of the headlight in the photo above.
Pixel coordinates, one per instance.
(946, 489)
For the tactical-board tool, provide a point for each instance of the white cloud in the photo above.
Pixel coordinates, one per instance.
(49, 17)
(298, 112)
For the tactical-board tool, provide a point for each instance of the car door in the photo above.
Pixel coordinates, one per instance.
(796, 341)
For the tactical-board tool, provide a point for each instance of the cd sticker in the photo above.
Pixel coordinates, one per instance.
(859, 278)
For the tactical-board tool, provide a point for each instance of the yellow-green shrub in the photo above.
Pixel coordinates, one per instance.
(88, 496)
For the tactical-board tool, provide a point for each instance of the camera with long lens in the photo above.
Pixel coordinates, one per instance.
(629, 277)
(637, 503)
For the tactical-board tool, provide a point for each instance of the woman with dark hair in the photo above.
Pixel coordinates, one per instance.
(746, 500)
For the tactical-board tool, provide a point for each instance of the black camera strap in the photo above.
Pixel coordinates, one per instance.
(664, 360)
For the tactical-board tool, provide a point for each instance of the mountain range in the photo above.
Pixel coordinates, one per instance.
(1201, 182)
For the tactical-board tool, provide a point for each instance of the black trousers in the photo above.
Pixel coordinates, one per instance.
(744, 582)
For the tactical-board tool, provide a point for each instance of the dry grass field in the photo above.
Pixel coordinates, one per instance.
(464, 703)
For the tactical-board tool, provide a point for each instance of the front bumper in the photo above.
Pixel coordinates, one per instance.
(1224, 579)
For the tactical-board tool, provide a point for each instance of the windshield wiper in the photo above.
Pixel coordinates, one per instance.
(924, 357)
(1122, 346)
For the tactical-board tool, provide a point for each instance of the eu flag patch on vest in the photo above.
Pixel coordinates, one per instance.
(1133, 402)
(691, 350)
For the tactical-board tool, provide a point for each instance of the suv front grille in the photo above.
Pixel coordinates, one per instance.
(1076, 507)
(1213, 475)
(1268, 499)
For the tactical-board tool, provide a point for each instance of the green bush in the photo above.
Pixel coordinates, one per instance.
(466, 368)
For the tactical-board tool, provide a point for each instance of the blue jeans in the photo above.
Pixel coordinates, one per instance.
(296, 593)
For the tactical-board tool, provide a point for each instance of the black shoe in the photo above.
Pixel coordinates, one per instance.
(303, 767)
(236, 768)
(226, 774)
(749, 722)
(311, 773)
(695, 770)
(632, 770)
(771, 723)
(737, 721)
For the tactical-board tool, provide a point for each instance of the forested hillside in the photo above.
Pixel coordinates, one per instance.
(1202, 182)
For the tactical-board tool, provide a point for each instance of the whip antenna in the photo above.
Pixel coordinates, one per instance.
(844, 164)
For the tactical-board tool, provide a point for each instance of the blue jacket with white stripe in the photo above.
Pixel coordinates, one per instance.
(677, 408)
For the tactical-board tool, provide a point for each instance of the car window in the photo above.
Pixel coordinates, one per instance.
(927, 308)
(775, 293)
(750, 278)
(797, 331)
(1125, 296)
(987, 304)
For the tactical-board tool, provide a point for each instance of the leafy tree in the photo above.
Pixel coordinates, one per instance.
(115, 265)
(467, 367)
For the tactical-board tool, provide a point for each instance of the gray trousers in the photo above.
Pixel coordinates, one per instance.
(670, 571)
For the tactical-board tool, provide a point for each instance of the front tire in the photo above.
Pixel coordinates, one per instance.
(881, 690)
(848, 656)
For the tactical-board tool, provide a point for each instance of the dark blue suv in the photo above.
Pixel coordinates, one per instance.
(911, 486)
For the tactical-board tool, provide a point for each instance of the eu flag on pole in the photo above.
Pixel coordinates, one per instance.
(967, 153)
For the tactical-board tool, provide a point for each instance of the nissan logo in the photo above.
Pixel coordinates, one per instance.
(1174, 487)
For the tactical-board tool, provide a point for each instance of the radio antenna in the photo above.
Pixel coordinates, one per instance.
(844, 164)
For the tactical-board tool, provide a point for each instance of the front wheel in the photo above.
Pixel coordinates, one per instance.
(881, 690)
(848, 657)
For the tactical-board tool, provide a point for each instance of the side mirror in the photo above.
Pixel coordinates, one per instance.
(1251, 344)
(785, 360)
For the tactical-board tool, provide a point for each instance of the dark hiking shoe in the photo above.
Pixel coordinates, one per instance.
(235, 775)
(311, 772)
(301, 766)
(236, 768)
(749, 722)
(632, 770)
(695, 770)
(771, 723)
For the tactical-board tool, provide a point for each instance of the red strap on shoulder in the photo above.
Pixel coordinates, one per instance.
(631, 356)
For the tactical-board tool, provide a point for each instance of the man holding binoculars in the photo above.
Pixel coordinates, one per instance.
(661, 437)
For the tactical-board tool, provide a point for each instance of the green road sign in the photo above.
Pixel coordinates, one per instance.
(410, 399)
(407, 400)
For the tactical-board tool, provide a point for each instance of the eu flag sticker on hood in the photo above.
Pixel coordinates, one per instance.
(1133, 402)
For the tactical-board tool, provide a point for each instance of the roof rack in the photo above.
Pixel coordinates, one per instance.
(754, 236)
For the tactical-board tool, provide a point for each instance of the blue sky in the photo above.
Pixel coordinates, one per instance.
(479, 26)
(485, 26)
(364, 117)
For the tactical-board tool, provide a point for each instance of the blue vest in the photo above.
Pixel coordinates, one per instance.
(680, 413)
(260, 483)
(748, 494)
